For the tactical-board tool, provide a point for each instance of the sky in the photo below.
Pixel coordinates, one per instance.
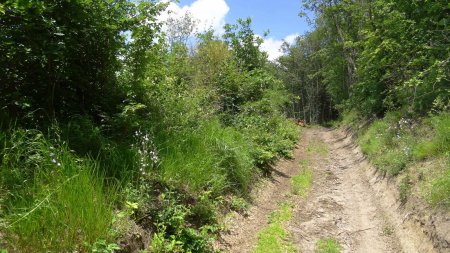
(279, 17)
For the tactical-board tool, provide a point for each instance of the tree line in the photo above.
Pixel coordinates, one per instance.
(371, 57)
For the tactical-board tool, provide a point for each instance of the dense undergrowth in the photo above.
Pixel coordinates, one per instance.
(136, 137)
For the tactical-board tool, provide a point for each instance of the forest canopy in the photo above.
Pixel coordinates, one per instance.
(371, 57)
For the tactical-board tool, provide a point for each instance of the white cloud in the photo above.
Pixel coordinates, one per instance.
(208, 13)
(290, 39)
(273, 46)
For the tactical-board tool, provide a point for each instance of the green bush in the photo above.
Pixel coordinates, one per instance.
(174, 234)
(272, 135)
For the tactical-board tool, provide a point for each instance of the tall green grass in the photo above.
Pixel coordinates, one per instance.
(392, 144)
(53, 200)
(398, 141)
(436, 141)
(208, 158)
(58, 190)
(383, 144)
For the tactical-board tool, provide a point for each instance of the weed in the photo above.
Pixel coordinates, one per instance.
(327, 246)
(174, 233)
(439, 142)
(273, 238)
(239, 204)
(101, 246)
(436, 189)
(405, 189)
(387, 230)
(317, 146)
(302, 182)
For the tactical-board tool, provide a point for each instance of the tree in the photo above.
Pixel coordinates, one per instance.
(245, 44)
(62, 57)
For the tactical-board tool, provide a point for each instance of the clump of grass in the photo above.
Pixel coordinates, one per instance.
(327, 246)
(375, 139)
(439, 142)
(392, 161)
(302, 182)
(405, 189)
(436, 188)
(239, 204)
(382, 143)
(60, 204)
(273, 238)
(387, 230)
(210, 157)
(349, 118)
(317, 147)
(440, 190)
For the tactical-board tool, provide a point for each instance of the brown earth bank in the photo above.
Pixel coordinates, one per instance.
(349, 201)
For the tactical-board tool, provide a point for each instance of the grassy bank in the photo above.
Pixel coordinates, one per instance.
(416, 150)
(84, 194)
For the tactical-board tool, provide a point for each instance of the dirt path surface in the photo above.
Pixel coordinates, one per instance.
(348, 202)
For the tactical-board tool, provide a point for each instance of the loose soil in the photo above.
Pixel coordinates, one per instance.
(348, 201)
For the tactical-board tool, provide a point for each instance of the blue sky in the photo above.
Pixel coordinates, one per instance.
(280, 17)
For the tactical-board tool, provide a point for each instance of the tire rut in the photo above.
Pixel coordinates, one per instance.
(345, 203)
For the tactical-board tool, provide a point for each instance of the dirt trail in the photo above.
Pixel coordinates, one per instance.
(347, 202)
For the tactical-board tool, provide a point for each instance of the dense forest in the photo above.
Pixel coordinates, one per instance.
(120, 133)
(370, 57)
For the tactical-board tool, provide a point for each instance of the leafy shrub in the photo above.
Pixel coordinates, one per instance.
(174, 234)
(83, 136)
(239, 204)
(272, 134)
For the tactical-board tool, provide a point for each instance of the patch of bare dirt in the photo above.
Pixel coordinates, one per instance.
(349, 201)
